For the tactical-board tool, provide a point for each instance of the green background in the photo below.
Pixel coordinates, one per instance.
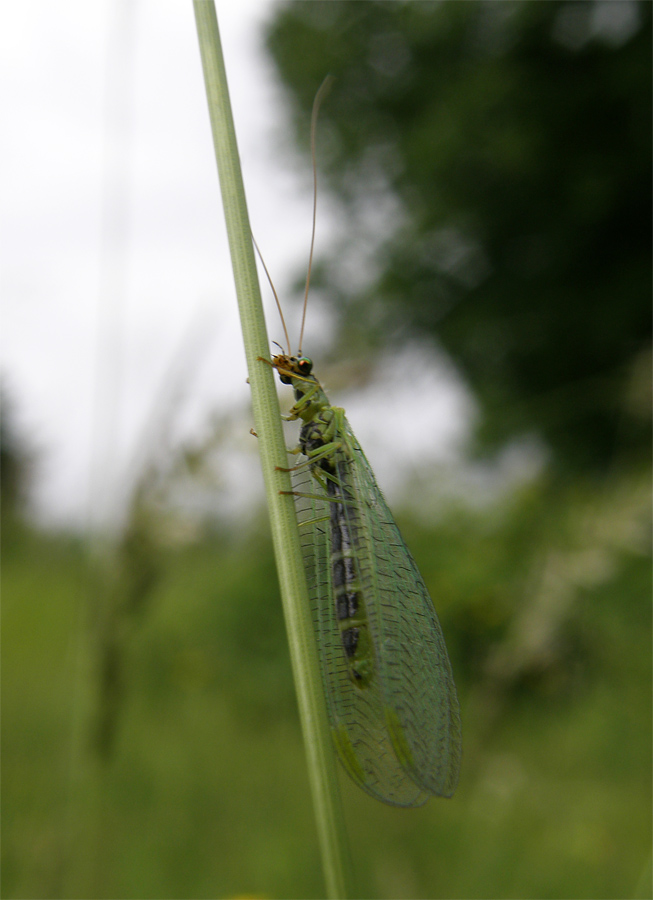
(150, 741)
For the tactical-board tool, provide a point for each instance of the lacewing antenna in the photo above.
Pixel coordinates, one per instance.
(321, 94)
(276, 297)
(319, 97)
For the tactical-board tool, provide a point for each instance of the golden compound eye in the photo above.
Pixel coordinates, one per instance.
(304, 365)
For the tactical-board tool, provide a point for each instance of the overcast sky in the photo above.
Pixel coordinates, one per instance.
(114, 252)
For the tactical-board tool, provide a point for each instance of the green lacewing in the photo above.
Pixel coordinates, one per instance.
(391, 697)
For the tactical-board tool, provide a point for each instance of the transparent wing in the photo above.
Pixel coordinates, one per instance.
(356, 716)
(398, 736)
(421, 705)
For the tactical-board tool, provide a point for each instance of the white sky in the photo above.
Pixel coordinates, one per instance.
(91, 324)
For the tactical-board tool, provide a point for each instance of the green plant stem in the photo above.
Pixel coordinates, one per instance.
(267, 419)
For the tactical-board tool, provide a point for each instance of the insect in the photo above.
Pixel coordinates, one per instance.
(389, 687)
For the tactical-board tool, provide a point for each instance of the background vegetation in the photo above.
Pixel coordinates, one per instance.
(150, 738)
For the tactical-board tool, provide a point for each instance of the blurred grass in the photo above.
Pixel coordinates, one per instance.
(204, 791)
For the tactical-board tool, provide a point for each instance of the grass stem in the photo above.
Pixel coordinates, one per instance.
(267, 420)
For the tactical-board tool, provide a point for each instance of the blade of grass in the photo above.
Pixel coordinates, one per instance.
(267, 419)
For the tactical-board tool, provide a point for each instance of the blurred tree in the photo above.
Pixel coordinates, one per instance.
(498, 158)
(16, 464)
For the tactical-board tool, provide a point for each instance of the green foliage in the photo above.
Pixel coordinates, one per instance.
(204, 793)
(514, 140)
